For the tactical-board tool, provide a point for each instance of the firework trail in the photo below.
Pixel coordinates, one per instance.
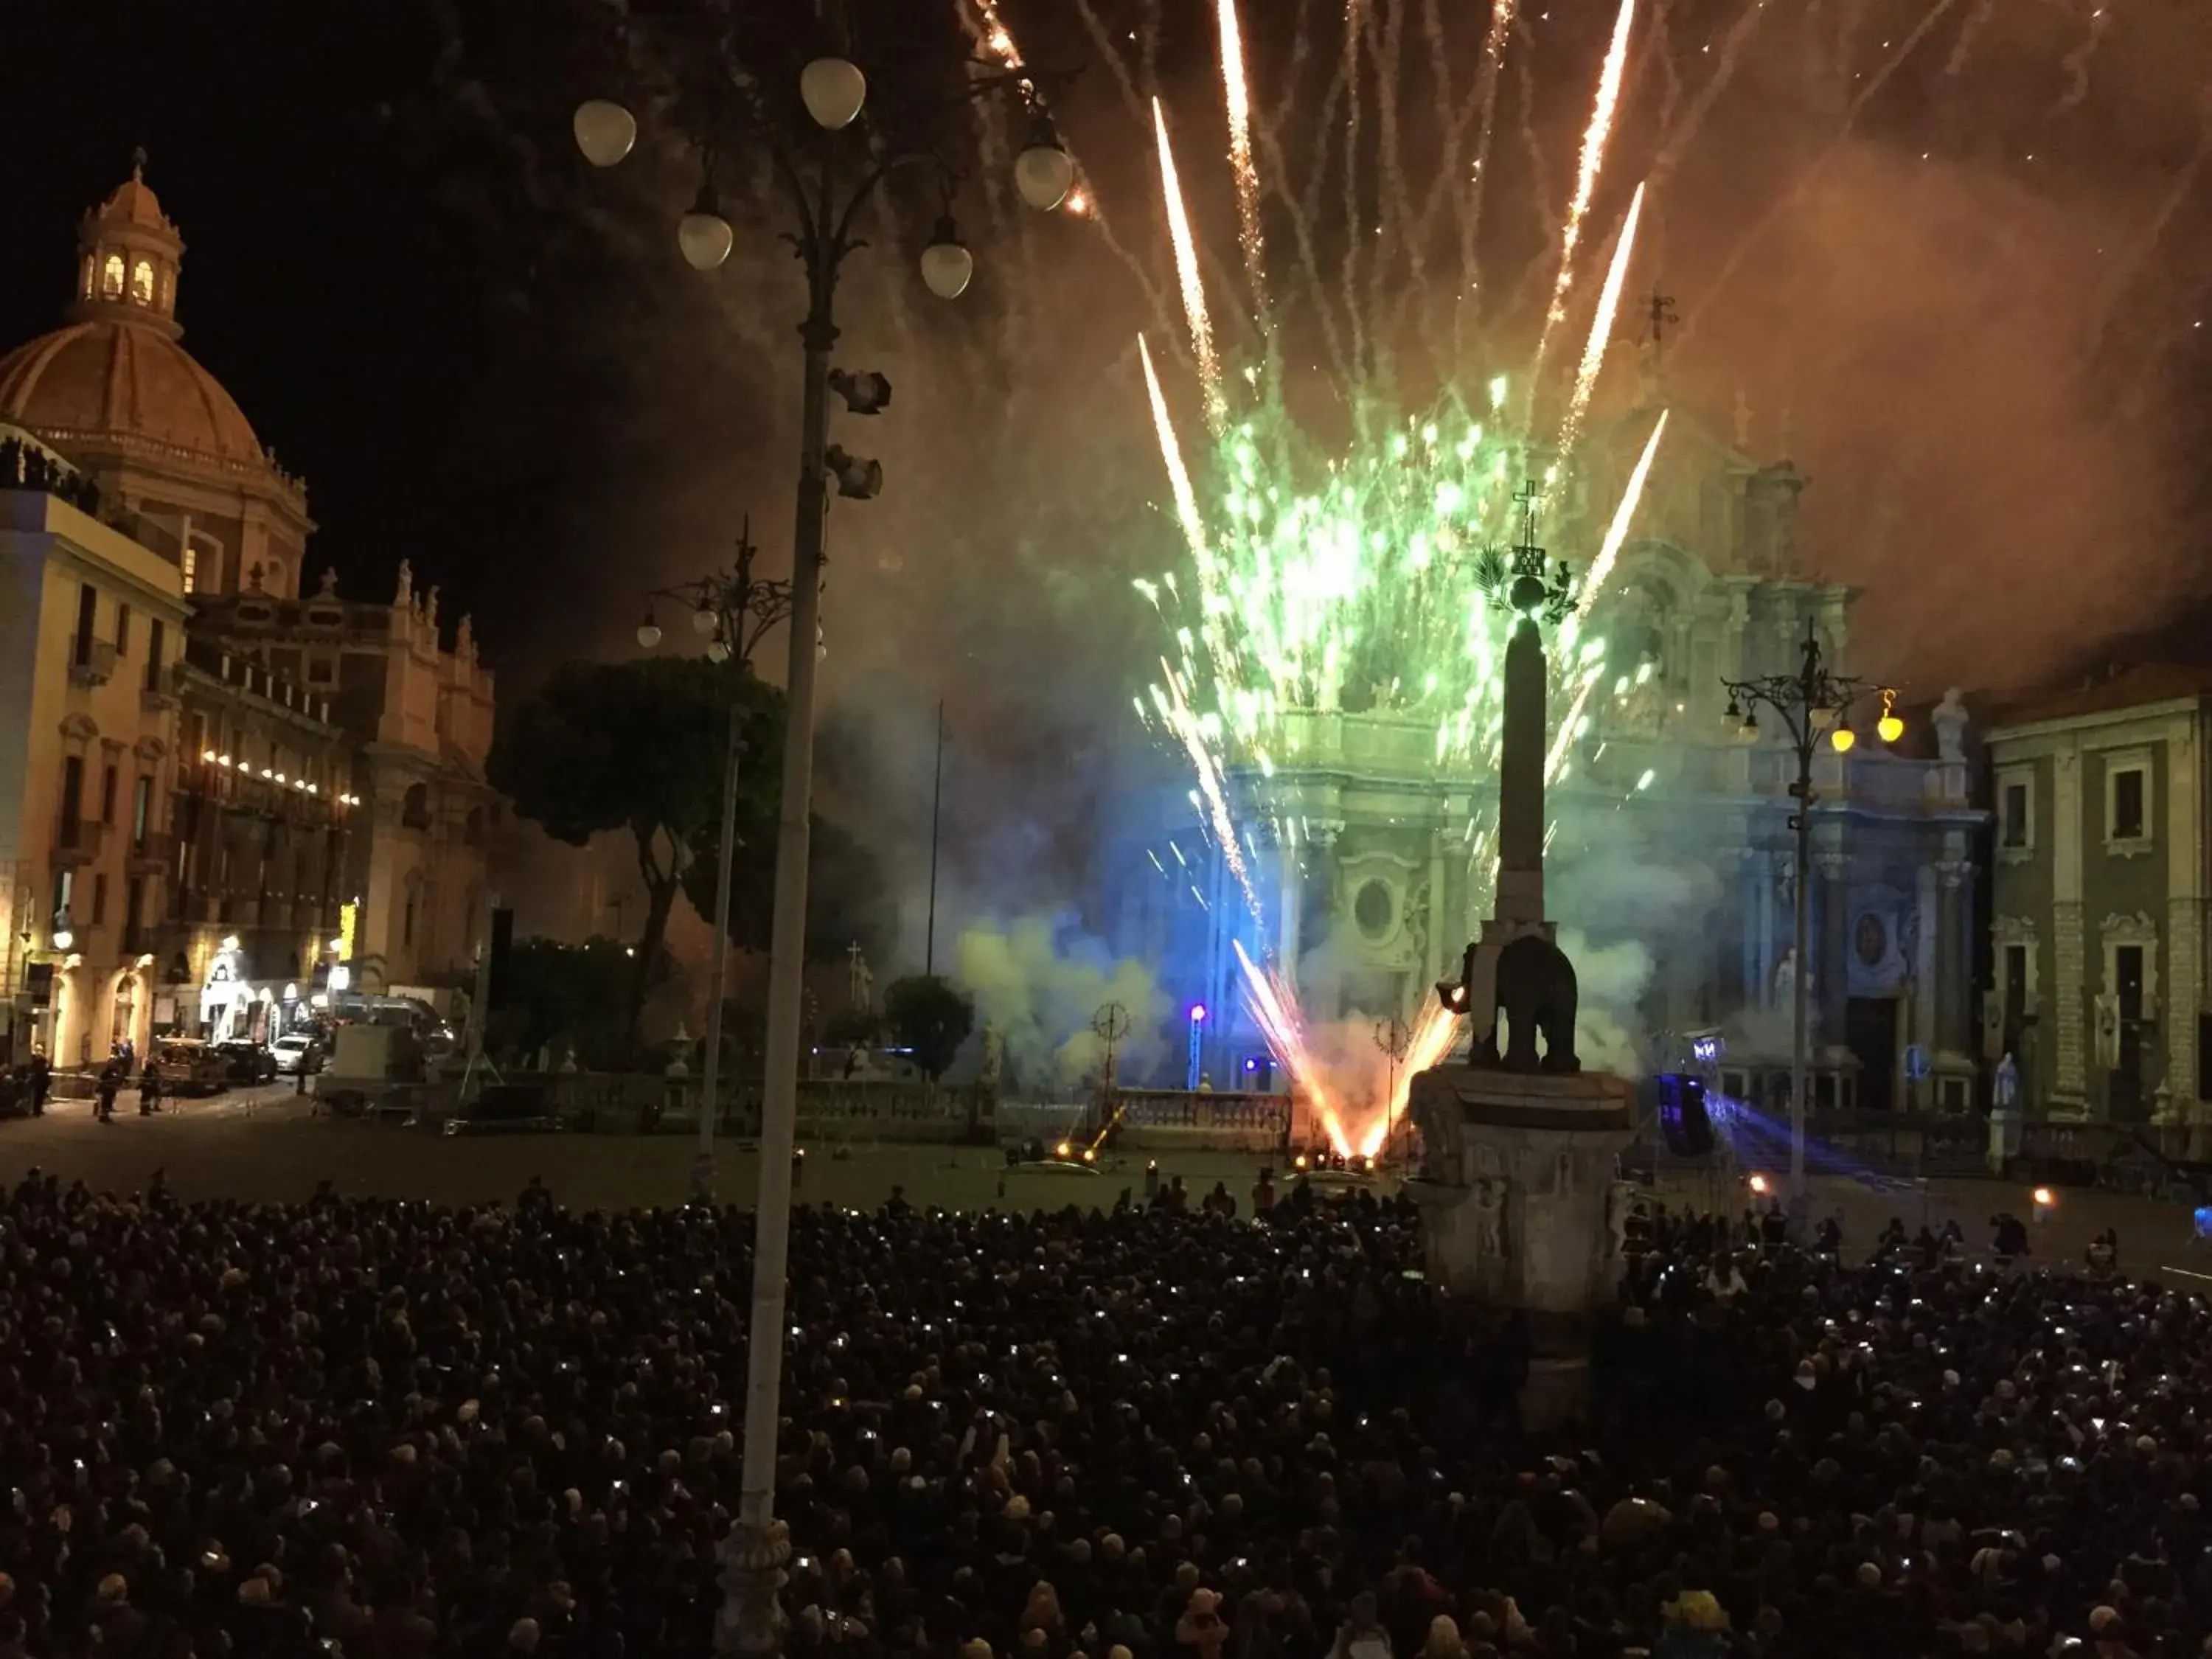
(2077, 61)
(1679, 138)
(2185, 183)
(1593, 159)
(1189, 730)
(1185, 497)
(1435, 1030)
(1616, 534)
(1237, 98)
(1287, 1040)
(1355, 224)
(1805, 181)
(1969, 33)
(1187, 275)
(1485, 102)
(1601, 334)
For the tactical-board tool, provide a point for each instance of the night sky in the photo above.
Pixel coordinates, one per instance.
(1972, 300)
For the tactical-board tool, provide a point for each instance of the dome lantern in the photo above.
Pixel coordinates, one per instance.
(128, 256)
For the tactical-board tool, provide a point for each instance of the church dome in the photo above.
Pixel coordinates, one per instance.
(115, 378)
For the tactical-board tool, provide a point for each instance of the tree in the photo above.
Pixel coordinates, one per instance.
(929, 1017)
(567, 997)
(640, 745)
(847, 902)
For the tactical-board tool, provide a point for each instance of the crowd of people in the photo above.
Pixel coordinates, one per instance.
(363, 1429)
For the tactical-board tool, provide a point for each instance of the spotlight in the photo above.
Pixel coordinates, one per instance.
(858, 478)
(864, 393)
(1758, 1184)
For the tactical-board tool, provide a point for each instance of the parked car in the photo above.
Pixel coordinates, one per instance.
(188, 1067)
(298, 1053)
(248, 1062)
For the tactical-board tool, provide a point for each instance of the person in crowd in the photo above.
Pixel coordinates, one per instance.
(360, 1428)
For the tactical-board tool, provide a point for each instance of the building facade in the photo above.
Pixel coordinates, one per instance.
(2097, 904)
(257, 844)
(1672, 849)
(91, 627)
(418, 718)
(365, 700)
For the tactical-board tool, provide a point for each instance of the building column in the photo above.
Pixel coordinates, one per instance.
(1758, 942)
(2181, 997)
(2070, 1092)
(1289, 915)
(1832, 979)
(1953, 912)
(1927, 966)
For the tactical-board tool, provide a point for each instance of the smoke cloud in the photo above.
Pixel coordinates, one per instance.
(1040, 982)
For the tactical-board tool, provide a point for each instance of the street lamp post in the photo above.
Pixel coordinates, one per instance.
(1810, 704)
(833, 91)
(733, 610)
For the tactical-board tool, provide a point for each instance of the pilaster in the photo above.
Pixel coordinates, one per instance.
(2185, 917)
(2069, 1090)
(1832, 977)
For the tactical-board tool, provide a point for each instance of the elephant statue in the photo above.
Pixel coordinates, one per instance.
(1535, 992)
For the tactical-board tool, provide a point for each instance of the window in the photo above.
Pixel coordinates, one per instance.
(141, 810)
(121, 629)
(88, 614)
(99, 899)
(415, 809)
(407, 922)
(2012, 810)
(72, 794)
(2016, 986)
(107, 795)
(2128, 809)
(110, 277)
(156, 637)
(192, 565)
(142, 283)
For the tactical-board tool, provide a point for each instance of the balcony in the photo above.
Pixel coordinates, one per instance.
(79, 842)
(150, 854)
(93, 663)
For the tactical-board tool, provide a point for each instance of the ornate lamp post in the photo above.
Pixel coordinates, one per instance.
(732, 611)
(828, 164)
(1810, 704)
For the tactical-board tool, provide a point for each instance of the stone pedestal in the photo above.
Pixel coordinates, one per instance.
(1516, 1199)
(2004, 1138)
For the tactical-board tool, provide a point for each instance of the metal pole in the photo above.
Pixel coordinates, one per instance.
(751, 1620)
(936, 802)
(702, 1166)
(480, 1010)
(1801, 981)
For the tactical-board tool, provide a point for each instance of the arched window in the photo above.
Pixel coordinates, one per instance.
(110, 277)
(473, 828)
(141, 282)
(415, 810)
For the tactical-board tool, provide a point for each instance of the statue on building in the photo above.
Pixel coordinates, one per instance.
(2108, 1030)
(430, 608)
(330, 588)
(1950, 722)
(464, 639)
(994, 1062)
(405, 595)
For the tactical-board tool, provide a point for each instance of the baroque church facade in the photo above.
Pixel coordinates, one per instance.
(1673, 852)
(304, 772)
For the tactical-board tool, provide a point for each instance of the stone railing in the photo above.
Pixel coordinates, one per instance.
(644, 1102)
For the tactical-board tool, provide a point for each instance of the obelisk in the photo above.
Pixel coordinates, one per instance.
(1520, 896)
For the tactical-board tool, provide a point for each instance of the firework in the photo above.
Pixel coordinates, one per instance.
(1593, 159)
(1271, 1011)
(1435, 1030)
(1601, 334)
(1186, 273)
(1237, 100)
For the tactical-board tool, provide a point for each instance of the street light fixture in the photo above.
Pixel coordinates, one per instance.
(1809, 702)
(733, 606)
(812, 168)
(703, 234)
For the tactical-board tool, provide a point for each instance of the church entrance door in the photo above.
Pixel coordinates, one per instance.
(1871, 1033)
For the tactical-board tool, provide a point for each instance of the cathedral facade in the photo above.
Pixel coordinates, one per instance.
(1672, 854)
